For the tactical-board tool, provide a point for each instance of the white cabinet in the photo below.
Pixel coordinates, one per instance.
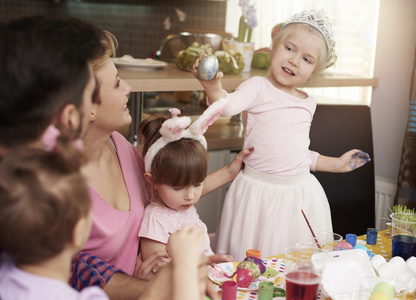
(210, 206)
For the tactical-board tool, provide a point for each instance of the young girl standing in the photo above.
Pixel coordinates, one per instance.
(263, 207)
(176, 164)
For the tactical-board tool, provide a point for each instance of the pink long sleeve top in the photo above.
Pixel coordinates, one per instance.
(276, 124)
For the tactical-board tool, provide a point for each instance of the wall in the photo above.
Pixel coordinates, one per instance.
(138, 25)
(394, 61)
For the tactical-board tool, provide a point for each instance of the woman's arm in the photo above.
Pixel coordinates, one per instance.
(227, 174)
(348, 162)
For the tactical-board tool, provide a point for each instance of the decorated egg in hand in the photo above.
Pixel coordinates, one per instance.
(208, 67)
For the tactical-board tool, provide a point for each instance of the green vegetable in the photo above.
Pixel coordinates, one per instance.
(186, 58)
(230, 63)
(261, 60)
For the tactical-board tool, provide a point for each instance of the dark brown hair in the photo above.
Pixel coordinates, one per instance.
(42, 197)
(179, 163)
(44, 66)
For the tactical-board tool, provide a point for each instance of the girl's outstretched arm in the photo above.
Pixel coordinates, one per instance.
(213, 88)
(348, 162)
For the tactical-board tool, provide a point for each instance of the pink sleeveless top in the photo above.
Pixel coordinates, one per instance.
(114, 236)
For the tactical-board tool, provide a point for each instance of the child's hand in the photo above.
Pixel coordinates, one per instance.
(353, 159)
(185, 245)
(236, 165)
(207, 84)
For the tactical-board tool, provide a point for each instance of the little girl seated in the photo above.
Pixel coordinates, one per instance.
(176, 164)
(44, 220)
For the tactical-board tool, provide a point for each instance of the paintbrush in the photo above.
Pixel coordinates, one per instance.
(310, 228)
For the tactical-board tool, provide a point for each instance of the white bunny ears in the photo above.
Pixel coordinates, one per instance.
(175, 129)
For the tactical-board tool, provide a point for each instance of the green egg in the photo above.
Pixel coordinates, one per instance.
(385, 288)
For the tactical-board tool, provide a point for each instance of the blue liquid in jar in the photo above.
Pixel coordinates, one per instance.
(404, 246)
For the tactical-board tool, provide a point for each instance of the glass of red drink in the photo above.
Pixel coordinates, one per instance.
(302, 278)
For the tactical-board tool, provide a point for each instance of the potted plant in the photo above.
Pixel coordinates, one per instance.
(401, 209)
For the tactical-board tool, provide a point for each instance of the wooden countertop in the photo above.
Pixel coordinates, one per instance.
(170, 78)
(220, 135)
(224, 134)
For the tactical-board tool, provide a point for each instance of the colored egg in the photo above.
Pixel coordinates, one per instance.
(362, 247)
(208, 67)
(384, 288)
(250, 266)
(343, 245)
(244, 277)
(258, 261)
(378, 296)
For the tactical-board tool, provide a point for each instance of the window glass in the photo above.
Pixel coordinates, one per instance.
(354, 24)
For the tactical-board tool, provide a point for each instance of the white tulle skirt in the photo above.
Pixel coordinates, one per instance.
(263, 212)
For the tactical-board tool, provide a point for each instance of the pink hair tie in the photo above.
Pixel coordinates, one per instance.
(79, 144)
(49, 138)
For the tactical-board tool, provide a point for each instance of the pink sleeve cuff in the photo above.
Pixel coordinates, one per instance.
(314, 157)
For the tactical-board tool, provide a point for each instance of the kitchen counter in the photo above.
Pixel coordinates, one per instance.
(170, 78)
(225, 134)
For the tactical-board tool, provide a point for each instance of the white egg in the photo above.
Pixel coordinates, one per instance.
(399, 265)
(377, 260)
(386, 270)
(411, 263)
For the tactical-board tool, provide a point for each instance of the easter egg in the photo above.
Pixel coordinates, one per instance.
(384, 288)
(362, 247)
(249, 265)
(343, 246)
(244, 278)
(378, 296)
(258, 261)
(208, 67)
(377, 261)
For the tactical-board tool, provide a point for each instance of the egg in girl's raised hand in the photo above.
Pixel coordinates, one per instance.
(208, 67)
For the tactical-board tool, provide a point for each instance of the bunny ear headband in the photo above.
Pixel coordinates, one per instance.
(177, 128)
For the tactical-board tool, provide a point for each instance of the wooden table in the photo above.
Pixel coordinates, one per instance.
(382, 247)
(172, 79)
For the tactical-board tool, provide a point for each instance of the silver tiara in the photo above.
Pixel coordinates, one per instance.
(318, 20)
